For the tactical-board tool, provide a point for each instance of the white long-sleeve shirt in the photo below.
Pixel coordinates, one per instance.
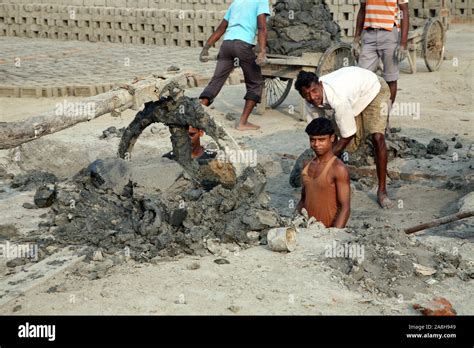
(348, 91)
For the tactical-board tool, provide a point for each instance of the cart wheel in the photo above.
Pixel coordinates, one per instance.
(335, 57)
(433, 44)
(277, 89)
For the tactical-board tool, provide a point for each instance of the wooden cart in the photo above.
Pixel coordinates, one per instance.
(280, 71)
(429, 40)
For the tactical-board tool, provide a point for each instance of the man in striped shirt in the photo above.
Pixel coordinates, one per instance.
(378, 23)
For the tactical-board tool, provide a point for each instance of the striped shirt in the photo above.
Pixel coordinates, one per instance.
(382, 13)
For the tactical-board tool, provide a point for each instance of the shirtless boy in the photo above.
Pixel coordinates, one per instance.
(326, 184)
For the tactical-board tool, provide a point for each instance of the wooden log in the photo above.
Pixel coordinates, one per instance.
(66, 115)
(440, 221)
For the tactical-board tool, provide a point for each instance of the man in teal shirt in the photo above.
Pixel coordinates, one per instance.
(242, 22)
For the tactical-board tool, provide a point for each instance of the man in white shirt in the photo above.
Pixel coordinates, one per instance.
(360, 100)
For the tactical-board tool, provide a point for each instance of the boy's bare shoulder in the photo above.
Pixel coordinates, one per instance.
(339, 163)
(340, 168)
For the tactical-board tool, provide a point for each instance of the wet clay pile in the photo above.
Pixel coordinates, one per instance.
(98, 208)
(216, 200)
(32, 180)
(301, 26)
(395, 265)
(398, 146)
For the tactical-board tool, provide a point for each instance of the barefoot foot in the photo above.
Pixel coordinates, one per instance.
(384, 201)
(247, 126)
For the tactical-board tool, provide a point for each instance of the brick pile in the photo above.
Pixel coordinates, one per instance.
(181, 23)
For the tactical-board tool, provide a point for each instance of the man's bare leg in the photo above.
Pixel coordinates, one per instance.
(393, 94)
(393, 90)
(243, 123)
(381, 159)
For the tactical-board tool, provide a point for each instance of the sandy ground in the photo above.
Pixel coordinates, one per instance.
(258, 281)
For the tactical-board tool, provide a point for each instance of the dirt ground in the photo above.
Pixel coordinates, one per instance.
(257, 280)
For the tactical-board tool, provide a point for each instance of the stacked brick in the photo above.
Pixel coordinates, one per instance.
(164, 27)
(344, 13)
(208, 5)
(458, 10)
(183, 23)
(421, 10)
(462, 9)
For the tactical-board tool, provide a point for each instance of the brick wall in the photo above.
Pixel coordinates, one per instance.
(345, 12)
(209, 5)
(165, 27)
(184, 23)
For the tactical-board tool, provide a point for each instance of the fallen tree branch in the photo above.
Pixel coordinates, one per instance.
(66, 114)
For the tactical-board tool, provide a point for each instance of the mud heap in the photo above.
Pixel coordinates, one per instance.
(301, 26)
(99, 208)
(395, 265)
(219, 198)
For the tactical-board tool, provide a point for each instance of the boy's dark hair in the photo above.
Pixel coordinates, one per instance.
(320, 126)
(305, 79)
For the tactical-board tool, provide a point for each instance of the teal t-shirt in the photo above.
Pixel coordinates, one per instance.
(242, 18)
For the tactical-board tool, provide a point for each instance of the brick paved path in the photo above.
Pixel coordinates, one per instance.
(43, 67)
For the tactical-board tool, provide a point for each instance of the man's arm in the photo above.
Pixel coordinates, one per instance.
(343, 188)
(360, 21)
(359, 27)
(262, 37)
(215, 36)
(401, 51)
(341, 144)
(405, 24)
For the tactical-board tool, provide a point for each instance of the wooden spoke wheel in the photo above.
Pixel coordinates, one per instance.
(277, 89)
(433, 44)
(335, 57)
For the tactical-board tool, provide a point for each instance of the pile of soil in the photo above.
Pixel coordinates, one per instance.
(99, 208)
(395, 265)
(398, 146)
